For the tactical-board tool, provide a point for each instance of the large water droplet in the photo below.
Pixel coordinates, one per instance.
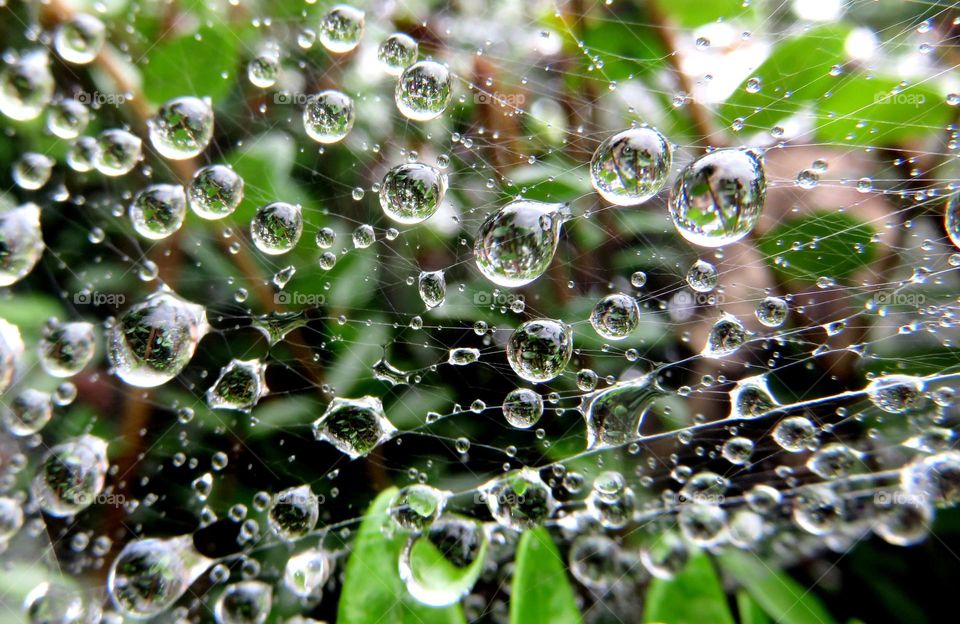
(539, 350)
(182, 127)
(158, 210)
(215, 191)
(412, 192)
(423, 91)
(615, 316)
(417, 506)
(154, 340)
(276, 228)
(354, 426)
(631, 166)
(515, 245)
(21, 241)
(522, 408)
(149, 575)
(118, 152)
(432, 287)
(246, 602)
(80, 40)
(70, 476)
(441, 566)
(519, 500)
(26, 86)
(328, 116)
(240, 386)
(718, 198)
(396, 53)
(341, 28)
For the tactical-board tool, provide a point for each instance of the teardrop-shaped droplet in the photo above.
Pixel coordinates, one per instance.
(516, 244)
(154, 340)
(26, 85)
(432, 287)
(440, 566)
(726, 336)
(149, 575)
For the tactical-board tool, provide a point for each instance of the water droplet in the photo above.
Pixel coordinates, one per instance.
(341, 28)
(154, 340)
(118, 152)
(240, 386)
(364, 236)
(70, 476)
(21, 241)
(432, 287)
(896, 394)
(718, 198)
(67, 118)
(80, 40)
(276, 228)
(516, 244)
(26, 86)
(702, 276)
(182, 127)
(158, 210)
(264, 67)
(522, 408)
(293, 513)
(615, 316)
(396, 53)
(32, 170)
(354, 426)
(631, 166)
(519, 500)
(454, 544)
(416, 507)
(412, 192)
(539, 350)
(772, 311)
(795, 434)
(306, 572)
(149, 575)
(423, 91)
(726, 336)
(328, 116)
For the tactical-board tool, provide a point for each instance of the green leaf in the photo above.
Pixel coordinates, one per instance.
(697, 12)
(372, 589)
(783, 598)
(541, 590)
(833, 244)
(694, 596)
(191, 65)
(796, 73)
(880, 111)
(749, 610)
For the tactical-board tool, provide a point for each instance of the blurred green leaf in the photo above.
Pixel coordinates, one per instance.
(541, 589)
(372, 589)
(832, 244)
(191, 64)
(694, 596)
(697, 12)
(796, 73)
(749, 610)
(879, 111)
(783, 598)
